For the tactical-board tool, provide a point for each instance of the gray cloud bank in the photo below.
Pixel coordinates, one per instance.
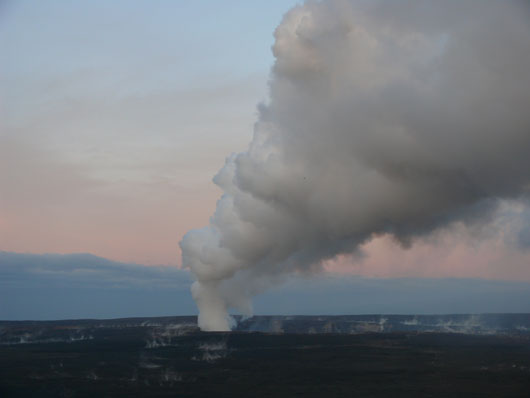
(384, 117)
(54, 286)
(73, 286)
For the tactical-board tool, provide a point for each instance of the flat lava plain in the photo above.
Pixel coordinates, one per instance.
(362, 356)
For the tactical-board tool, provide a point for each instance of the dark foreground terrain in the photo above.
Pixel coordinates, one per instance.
(169, 357)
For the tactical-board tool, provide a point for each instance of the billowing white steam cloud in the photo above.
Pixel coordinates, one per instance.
(384, 117)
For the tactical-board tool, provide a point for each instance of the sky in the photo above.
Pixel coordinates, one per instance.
(116, 115)
(114, 119)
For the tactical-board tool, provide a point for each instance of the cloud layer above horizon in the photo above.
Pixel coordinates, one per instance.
(53, 286)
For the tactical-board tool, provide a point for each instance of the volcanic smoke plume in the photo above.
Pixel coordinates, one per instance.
(384, 117)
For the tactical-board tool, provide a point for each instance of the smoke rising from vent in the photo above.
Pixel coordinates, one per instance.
(384, 118)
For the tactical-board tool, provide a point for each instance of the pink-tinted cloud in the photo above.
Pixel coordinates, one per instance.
(453, 255)
(49, 205)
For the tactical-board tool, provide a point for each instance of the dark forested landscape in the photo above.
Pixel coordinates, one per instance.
(362, 356)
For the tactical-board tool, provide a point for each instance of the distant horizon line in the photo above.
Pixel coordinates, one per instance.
(242, 317)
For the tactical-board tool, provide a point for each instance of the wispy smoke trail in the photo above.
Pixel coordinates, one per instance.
(384, 117)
